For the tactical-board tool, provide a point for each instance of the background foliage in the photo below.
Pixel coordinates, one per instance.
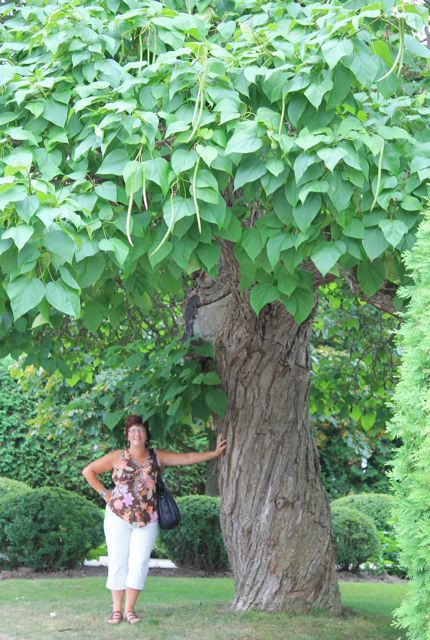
(50, 429)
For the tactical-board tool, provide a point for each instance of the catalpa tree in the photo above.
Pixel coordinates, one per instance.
(246, 151)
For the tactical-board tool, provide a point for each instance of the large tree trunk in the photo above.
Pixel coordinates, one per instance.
(275, 515)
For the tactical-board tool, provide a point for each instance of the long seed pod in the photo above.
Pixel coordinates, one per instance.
(130, 206)
(400, 52)
(145, 201)
(140, 47)
(378, 182)
(281, 122)
(169, 229)
(154, 32)
(402, 46)
(198, 111)
(194, 192)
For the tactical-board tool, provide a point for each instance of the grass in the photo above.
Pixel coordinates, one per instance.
(179, 608)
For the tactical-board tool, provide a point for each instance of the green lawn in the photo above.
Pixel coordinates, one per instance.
(191, 608)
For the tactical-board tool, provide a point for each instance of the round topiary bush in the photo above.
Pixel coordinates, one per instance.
(48, 529)
(377, 506)
(355, 538)
(197, 542)
(11, 488)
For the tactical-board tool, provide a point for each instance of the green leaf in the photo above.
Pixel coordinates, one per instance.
(20, 235)
(249, 170)
(304, 299)
(107, 190)
(253, 242)
(60, 245)
(305, 213)
(416, 47)
(393, 230)
(207, 154)
(302, 163)
(93, 315)
(275, 166)
(56, 112)
(277, 244)
(183, 160)
(296, 107)
(216, 401)
(316, 186)
(245, 138)
(89, 270)
(363, 64)
(119, 248)
(339, 191)
(287, 282)
(368, 420)
(374, 243)
(209, 254)
(114, 163)
(211, 378)
(63, 298)
(112, 419)
(24, 295)
(26, 208)
(355, 229)
(331, 157)
(158, 171)
(326, 256)
(68, 278)
(333, 50)
(317, 90)
(48, 163)
(179, 208)
(19, 159)
(262, 294)
(371, 276)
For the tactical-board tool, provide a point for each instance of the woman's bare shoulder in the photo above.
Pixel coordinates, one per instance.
(116, 455)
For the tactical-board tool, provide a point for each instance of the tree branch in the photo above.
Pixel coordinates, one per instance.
(382, 299)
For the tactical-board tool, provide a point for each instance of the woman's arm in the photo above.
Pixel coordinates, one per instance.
(91, 471)
(171, 459)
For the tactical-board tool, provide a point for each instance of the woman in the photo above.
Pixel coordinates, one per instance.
(130, 523)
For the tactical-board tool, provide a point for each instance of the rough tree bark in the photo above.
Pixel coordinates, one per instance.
(275, 514)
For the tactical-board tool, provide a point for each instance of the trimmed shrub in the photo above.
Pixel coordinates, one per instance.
(49, 529)
(11, 488)
(377, 506)
(197, 542)
(355, 538)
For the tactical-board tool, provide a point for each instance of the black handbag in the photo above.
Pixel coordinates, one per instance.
(169, 515)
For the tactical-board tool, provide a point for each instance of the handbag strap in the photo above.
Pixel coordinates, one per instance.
(160, 481)
(155, 461)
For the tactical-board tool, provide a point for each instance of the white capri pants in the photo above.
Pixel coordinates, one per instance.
(129, 549)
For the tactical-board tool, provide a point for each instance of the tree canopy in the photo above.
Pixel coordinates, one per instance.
(140, 138)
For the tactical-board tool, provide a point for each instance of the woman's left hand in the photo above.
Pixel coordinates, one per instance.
(221, 444)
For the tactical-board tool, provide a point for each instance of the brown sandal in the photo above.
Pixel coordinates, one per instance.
(131, 617)
(115, 617)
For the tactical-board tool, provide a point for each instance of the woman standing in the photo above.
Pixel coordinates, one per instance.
(130, 523)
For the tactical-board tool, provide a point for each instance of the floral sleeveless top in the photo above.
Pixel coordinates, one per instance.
(134, 496)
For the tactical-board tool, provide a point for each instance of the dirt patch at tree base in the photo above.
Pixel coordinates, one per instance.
(87, 572)
(180, 572)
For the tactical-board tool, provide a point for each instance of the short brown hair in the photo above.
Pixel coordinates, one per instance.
(132, 420)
